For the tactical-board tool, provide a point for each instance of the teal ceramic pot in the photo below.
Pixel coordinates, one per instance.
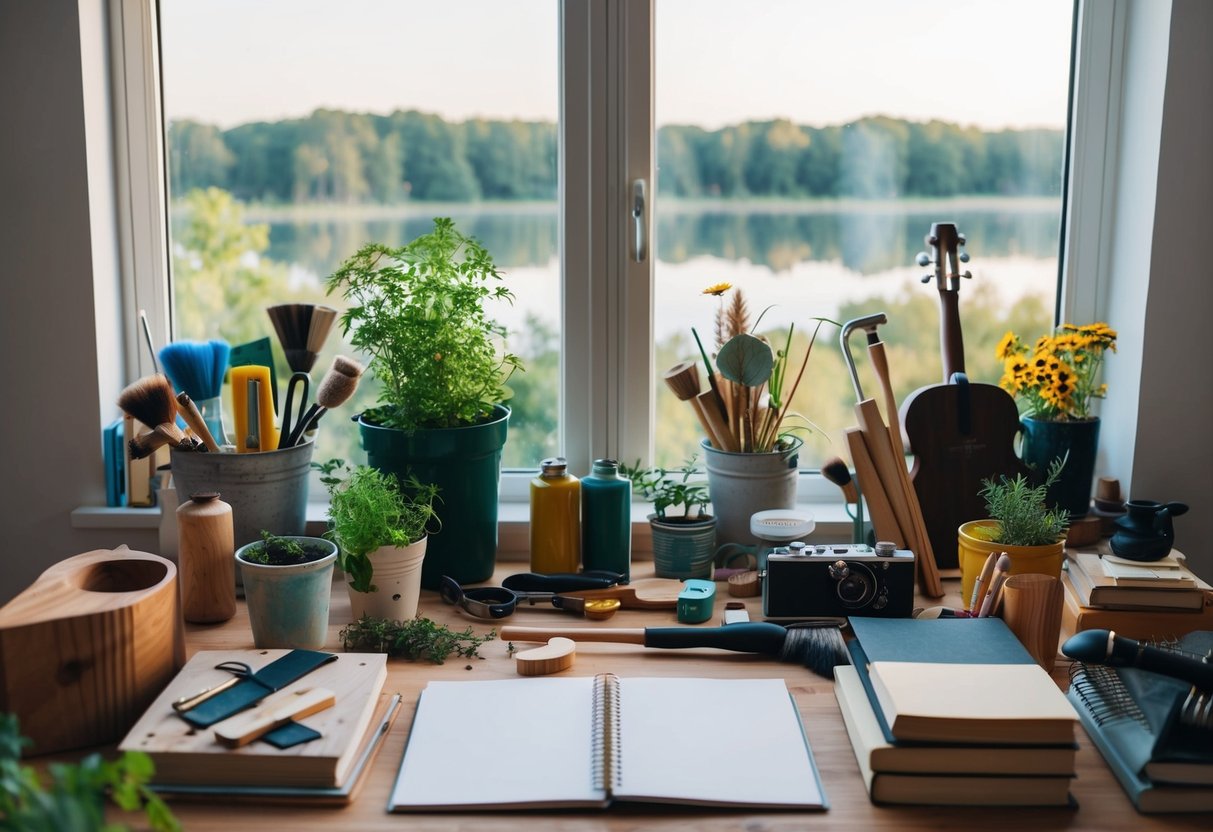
(1045, 441)
(288, 606)
(683, 549)
(465, 464)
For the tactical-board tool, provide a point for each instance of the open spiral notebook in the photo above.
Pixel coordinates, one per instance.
(591, 741)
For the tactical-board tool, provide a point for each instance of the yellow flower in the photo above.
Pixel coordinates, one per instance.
(718, 289)
(1008, 346)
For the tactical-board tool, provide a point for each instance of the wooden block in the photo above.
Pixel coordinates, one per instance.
(744, 585)
(870, 487)
(553, 657)
(87, 647)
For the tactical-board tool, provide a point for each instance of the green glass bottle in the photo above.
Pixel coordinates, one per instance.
(606, 519)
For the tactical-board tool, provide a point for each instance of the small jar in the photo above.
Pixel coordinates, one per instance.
(555, 518)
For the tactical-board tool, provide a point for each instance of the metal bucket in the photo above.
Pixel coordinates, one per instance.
(266, 490)
(742, 484)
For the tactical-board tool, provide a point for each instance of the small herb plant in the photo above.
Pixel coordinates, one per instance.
(75, 797)
(1023, 517)
(418, 312)
(281, 551)
(369, 509)
(669, 488)
(418, 638)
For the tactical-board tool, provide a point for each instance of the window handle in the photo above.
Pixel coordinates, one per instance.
(640, 244)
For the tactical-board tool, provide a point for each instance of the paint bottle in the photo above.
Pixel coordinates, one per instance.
(555, 518)
(606, 519)
(206, 559)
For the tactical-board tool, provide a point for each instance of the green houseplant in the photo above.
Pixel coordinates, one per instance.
(684, 540)
(1020, 523)
(418, 312)
(380, 528)
(287, 586)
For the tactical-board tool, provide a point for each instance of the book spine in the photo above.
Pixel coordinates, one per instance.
(606, 740)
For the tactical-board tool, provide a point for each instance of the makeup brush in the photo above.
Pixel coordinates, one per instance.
(196, 368)
(336, 388)
(819, 648)
(302, 329)
(837, 472)
(151, 400)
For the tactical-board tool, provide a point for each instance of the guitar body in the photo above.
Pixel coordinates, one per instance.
(959, 432)
(954, 453)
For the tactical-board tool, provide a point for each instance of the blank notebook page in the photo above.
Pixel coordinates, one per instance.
(713, 741)
(500, 742)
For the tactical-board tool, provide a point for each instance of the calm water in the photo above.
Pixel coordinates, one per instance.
(803, 261)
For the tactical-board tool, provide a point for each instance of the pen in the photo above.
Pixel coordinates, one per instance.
(982, 579)
(1000, 577)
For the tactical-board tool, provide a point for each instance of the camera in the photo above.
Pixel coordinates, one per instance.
(837, 581)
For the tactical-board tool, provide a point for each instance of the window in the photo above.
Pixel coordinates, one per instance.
(804, 175)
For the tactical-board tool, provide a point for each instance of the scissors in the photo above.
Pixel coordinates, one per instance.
(494, 602)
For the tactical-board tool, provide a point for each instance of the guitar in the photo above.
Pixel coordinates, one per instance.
(960, 432)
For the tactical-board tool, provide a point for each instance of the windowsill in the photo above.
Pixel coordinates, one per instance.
(832, 523)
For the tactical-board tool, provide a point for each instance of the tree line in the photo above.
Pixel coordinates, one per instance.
(357, 158)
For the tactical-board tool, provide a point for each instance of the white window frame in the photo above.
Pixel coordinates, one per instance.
(607, 142)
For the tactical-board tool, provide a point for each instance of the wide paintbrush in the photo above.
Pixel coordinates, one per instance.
(302, 329)
(152, 401)
(683, 380)
(819, 649)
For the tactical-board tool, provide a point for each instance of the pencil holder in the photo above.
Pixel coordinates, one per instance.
(1031, 606)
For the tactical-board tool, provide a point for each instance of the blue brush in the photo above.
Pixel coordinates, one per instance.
(197, 368)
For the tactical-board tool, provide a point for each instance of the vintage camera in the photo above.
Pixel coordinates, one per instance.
(808, 581)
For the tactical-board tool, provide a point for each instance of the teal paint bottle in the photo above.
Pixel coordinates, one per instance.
(606, 519)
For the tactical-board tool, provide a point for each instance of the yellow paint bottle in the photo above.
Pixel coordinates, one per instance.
(555, 519)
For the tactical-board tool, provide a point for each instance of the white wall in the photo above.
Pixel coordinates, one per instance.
(49, 423)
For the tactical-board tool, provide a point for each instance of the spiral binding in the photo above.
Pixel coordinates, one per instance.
(1104, 695)
(606, 747)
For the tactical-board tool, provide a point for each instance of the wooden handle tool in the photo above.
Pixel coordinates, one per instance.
(883, 519)
(274, 710)
(553, 657)
(193, 417)
(928, 569)
(718, 429)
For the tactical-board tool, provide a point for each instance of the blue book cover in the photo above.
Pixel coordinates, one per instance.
(114, 458)
(942, 640)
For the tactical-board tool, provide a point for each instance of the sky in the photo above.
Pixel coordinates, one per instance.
(986, 63)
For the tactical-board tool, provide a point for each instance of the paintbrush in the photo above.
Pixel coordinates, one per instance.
(336, 388)
(193, 418)
(819, 648)
(836, 471)
(151, 400)
(196, 368)
(302, 329)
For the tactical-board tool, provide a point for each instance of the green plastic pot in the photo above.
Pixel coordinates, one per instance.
(465, 464)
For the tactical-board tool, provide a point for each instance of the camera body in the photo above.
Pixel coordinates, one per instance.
(839, 580)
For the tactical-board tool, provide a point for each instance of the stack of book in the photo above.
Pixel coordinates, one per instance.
(954, 712)
(1139, 722)
(1138, 600)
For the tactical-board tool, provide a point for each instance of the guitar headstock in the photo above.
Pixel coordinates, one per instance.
(946, 254)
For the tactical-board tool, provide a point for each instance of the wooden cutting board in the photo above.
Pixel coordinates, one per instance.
(185, 755)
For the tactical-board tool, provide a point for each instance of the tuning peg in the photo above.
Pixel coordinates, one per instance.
(964, 257)
(923, 259)
(967, 274)
(927, 278)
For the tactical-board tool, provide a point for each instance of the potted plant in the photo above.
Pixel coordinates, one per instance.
(751, 448)
(287, 585)
(380, 530)
(684, 540)
(418, 312)
(1020, 523)
(1055, 384)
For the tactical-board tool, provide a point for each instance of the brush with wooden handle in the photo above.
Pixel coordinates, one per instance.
(683, 380)
(819, 649)
(152, 401)
(193, 418)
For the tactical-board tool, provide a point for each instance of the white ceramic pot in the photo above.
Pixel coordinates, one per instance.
(397, 581)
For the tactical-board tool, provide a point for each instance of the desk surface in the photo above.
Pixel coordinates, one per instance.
(1102, 804)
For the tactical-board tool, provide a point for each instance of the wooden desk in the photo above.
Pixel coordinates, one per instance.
(1102, 804)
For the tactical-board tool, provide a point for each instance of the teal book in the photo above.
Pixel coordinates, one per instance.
(942, 640)
(1132, 717)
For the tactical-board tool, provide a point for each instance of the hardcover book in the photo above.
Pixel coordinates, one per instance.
(1134, 623)
(591, 741)
(1098, 589)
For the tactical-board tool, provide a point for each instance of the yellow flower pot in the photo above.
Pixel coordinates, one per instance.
(975, 546)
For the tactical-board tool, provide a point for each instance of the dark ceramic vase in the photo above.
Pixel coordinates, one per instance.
(1146, 532)
(1045, 441)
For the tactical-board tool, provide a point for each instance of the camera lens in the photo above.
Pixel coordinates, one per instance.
(855, 586)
